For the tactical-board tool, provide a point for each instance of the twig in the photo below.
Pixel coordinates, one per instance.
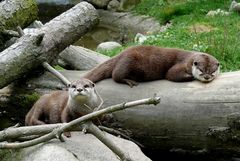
(37, 24)
(111, 109)
(101, 101)
(13, 133)
(116, 132)
(57, 131)
(56, 73)
(20, 31)
(11, 33)
(93, 129)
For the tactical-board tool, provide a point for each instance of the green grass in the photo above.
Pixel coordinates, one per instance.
(166, 10)
(222, 40)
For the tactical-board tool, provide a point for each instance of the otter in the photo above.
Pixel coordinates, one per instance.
(64, 106)
(147, 63)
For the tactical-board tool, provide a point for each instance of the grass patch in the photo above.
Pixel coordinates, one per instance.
(166, 10)
(192, 30)
(58, 67)
(112, 52)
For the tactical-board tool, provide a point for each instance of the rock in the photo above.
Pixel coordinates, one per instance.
(127, 23)
(113, 5)
(79, 147)
(108, 45)
(140, 38)
(234, 6)
(99, 3)
(126, 5)
(59, 2)
(217, 12)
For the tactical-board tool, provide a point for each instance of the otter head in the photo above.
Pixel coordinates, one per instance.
(81, 89)
(205, 67)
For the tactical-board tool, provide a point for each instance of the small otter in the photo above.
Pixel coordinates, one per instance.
(64, 106)
(147, 63)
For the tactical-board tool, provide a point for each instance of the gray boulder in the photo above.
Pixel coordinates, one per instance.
(113, 5)
(80, 147)
(99, 3)
(108, 46)
(59, 2)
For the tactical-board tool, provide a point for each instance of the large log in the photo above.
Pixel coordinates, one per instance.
(15, 13)
(191, 115)
(31, 50)
(80, 58)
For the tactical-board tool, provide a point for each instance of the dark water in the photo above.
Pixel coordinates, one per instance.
(49, 11)
(167, 155)
(89, 40)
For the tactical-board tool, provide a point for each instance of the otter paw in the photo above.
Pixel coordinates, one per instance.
(67, 134)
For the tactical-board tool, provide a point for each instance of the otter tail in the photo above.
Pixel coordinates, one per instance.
(102, 71)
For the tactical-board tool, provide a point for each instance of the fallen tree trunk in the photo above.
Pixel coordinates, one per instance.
(80, 58)
(15, 13)
(32, 50)
(190, 116)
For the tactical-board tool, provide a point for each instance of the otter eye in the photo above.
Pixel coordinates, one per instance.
(73, 86)
(86, 86)
(93, 85)
(218, 64)
(195, 63)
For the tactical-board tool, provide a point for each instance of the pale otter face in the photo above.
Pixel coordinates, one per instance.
(205, 68)
(81, 89)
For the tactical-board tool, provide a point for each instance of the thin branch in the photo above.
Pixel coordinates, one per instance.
(57, 131)
(101, 101)
(56, 73)
(93, 129)
(20, 31)
(111, 109)
(37, 24)
(11, 33)
(13, 133)
(116, 132)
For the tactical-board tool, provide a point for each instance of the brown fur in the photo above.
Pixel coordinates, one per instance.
(147, 63)
(47, 109)
(57, 107)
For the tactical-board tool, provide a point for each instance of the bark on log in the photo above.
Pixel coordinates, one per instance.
(31, 50)
(15, 13)
(80, 58)
(190, 116)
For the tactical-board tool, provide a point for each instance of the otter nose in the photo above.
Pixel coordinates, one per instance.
(207, 77)
(79, 89)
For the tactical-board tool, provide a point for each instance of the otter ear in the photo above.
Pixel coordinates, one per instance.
(195, 63)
